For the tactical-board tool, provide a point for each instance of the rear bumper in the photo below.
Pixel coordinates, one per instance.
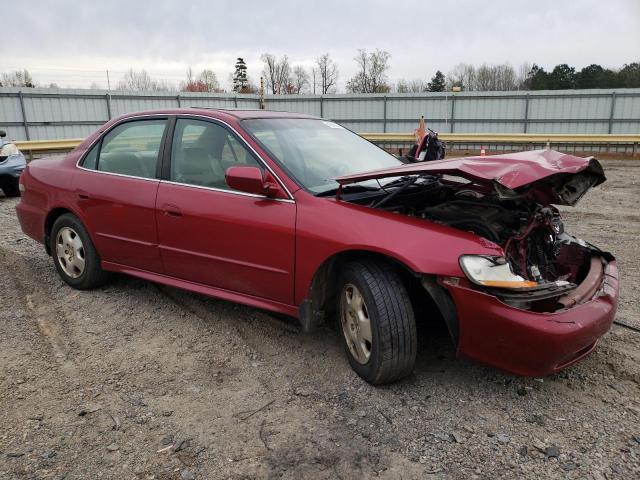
(31, 220)
(529, 343)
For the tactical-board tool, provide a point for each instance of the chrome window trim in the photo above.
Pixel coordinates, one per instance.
(80, 167)
(233, 192)
(189, 115)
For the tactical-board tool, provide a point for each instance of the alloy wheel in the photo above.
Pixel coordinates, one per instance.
(70, 252)
(356, 324)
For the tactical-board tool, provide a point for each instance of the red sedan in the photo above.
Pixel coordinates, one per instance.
(298, 215)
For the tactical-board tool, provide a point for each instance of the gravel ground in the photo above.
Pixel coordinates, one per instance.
(140, 381)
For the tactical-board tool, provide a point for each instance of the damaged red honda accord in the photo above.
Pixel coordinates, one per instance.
(300, 216)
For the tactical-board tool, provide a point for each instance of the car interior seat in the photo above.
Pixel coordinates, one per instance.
(201, 163)
(126, 163)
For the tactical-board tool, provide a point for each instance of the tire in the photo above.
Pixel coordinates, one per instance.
(78, 251)
(12, 188)
(387, 310)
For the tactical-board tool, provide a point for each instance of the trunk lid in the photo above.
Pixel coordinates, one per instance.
(544, 176)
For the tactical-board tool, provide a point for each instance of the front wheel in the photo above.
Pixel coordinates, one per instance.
(377, 322)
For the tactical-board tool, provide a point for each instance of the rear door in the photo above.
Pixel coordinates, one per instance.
(116, 189)
(213, 235)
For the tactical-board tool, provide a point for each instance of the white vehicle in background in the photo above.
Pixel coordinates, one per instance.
(12, 163)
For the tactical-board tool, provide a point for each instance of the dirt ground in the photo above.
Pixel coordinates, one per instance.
(140, 381)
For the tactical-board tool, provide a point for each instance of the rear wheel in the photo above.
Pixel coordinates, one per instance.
(74, 255)
(377, 322)
(11, 188)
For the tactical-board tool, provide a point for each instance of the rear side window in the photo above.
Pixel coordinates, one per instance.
(131, 148)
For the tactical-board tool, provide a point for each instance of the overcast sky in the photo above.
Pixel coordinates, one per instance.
(71, 43)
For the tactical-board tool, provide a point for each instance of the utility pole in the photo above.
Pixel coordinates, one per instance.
(108, 81)
(261, 93)
(313, 72)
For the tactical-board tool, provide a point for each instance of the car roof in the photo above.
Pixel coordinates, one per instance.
(214, 112)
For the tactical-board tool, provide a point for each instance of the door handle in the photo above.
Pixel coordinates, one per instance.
(83, 195)
(171, 210)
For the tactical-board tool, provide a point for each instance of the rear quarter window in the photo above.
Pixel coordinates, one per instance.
(91, 159)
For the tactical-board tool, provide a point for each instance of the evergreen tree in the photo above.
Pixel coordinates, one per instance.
(537, 78)
(562, 77)
(630, 75)
(437, 83)
(240, 82)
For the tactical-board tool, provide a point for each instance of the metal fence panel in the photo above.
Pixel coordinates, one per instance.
(310, 105)
(354, 108)
(437, 108)
(569, 127)
(627, 107)
(41, 113)
(575, 107)
(489, 108)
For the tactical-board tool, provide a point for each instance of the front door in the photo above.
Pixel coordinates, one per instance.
(213, 235)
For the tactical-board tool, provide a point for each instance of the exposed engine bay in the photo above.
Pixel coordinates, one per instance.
(551, 262)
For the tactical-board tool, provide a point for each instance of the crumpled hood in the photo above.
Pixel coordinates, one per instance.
(544, 176)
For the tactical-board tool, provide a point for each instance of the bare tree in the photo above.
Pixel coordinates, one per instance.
(483, 78)
(209, 78)
(299, 79)
(141, 81)
(523, 74)
(276, 73)
(505, 77)
(19, 78)
(462, 75)
(372, 74)
(327, 71)
(207, 81)
(411, 86)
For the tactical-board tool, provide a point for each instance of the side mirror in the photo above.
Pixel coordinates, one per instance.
(3, 134)
(252, 180)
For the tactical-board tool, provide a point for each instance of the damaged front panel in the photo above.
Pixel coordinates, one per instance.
(507, 200)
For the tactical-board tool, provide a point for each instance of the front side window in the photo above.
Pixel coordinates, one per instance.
(315, 151)
(202, 151)
(131, 148)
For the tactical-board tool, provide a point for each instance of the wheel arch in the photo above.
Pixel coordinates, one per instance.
(55, 213)
(425, 292)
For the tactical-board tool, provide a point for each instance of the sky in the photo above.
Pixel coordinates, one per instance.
(74, 43)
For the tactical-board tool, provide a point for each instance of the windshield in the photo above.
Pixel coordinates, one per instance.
(315, 151)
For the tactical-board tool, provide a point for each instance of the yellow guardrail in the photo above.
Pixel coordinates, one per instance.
(48, 145)
(507, 138)
(42, 146)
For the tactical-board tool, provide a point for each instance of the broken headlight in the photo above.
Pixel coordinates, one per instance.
(493, 272)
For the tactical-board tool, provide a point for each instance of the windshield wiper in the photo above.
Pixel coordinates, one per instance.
(348, 188)
(402, 179)
(407, 181)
